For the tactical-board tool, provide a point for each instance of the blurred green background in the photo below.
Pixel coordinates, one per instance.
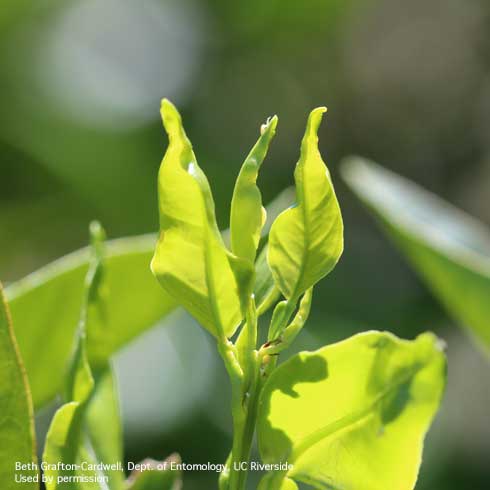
(406, 84)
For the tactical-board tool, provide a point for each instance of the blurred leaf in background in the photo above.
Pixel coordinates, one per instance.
(449, 249)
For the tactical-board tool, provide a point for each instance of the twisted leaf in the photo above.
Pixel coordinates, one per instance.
(191, 261)
(306, 240)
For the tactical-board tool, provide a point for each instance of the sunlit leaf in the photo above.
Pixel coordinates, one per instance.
(191, 261)
(87, 428)
(449, 249)
(156, 475)
(17, 439)
(265, 290)
(50, 299)
(103, 423)
(306, 241)
(46, 308)
(353, 414)
(247, 215)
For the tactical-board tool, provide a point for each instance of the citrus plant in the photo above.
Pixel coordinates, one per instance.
(349, 415)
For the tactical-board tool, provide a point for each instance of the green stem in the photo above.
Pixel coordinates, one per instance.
(246, 391)
(244, 421)
(244, 404)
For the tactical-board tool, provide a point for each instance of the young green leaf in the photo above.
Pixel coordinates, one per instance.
(449, 249)
(280, 340)
(16, 414)
(103, 425)
(50, 300)
(306, 241)
(156, 475)
(353, 414)
(247, 214)
(86, 429)
(265, 290)
(191, 261)
(65, 441)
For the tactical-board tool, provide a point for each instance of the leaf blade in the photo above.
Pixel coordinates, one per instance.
(341, 414)
(247, 216)
(16, 412)
(58, 287)
(190, 261)
(306, 241)
(87, 428)
(50, 299)
(265, 290)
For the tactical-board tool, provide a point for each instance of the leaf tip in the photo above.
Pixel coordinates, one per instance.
(319, 110)
(97, 238)
(170, 116)
(269, 125)
(97, 232)
(315, 118)
(167, 105)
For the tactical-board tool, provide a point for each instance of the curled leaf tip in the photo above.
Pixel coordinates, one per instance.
(315, 117)
(270, 125)
(170, 116)
(314, 120)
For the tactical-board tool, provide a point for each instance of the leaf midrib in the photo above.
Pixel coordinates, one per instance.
(306, 241)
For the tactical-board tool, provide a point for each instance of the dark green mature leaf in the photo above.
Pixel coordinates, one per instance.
(46, 308)
(306, 241)
(191, 261)
(352, 414)
(449, 249)
(154, 478)
(17, 439)
(87, 429)
(247, 215)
